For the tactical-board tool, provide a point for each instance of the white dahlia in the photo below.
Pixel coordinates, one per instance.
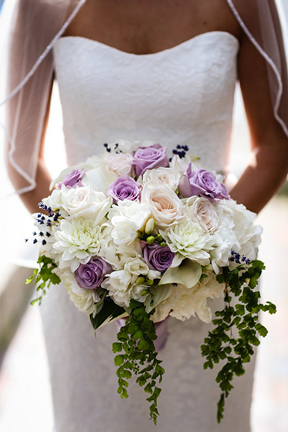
(77, 240)
(188, 240)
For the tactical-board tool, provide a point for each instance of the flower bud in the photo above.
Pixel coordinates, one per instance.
(150, 282)
(150, 239)
(149, 227)
(140, 280)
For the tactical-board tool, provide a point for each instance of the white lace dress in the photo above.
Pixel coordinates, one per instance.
(183, 95)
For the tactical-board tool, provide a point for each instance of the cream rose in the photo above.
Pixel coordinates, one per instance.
(166, 207)
(201, 210)
(163, 177)
(120, 163)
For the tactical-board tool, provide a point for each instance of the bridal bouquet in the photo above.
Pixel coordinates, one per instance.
(134, 234)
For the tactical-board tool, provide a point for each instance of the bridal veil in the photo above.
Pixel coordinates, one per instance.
(29, 31)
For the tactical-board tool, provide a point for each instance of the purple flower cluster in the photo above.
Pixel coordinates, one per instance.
(91, 275)
(157, 257)
(73, 179)
(147, 158)
(123, 188)
(201, 183)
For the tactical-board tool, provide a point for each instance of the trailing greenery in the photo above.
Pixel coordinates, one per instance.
(136, 340)
(221, 343)
(43, 277)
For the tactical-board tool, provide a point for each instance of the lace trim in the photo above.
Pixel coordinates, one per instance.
(268, 59)
(44, 54)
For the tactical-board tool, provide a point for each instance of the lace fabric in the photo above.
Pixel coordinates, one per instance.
(35, 26)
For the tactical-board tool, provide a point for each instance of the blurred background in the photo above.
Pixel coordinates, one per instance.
(25, 397)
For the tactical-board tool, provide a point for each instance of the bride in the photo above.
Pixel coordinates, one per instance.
(138, 70)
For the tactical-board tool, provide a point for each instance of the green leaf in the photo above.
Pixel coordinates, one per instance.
(187, 274)
(118, 360)
(108, 312)
(116, 347)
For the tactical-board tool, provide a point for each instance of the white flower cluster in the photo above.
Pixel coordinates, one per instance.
(153, 249)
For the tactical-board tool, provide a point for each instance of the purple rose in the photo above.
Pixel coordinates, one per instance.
(147, 158)
(202, 183)
(91, 275)
(123, 188)
(157, 257)
(73, 179)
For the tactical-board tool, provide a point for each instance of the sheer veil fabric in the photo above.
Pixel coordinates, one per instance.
(34, 27)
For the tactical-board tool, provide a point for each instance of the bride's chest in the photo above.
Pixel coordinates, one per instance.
(199, 73)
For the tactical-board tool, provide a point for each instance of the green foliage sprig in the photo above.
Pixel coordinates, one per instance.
(221, 344)
(136, 340)
(43, 277)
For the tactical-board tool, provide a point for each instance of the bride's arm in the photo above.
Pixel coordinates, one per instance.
(268, 164)
(43, 178)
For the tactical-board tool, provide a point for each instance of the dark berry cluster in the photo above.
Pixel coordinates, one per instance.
(108, 149)
(238, 259)
(180, 150)
(41, 234)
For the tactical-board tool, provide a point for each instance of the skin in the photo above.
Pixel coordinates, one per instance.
(149, 26)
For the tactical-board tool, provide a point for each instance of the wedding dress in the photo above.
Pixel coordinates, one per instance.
(182, 95)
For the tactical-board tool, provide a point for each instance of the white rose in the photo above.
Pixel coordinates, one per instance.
(127, 218)
(86, 203)
(99, 178)
(188, 240)
(202, 211)
(163, 177)
(166, 207)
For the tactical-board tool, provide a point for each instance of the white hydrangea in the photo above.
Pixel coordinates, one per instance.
(184, 303)
(236, 231)
(77, 240)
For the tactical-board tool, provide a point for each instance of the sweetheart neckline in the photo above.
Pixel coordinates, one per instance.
(158, 53)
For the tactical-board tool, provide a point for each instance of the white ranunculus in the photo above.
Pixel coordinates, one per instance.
(188, 240)
(120, 163)
(166, 207)
(202, 211)
(83, 299)
(86, 203)
(127, 218)
(136, 267)
(163, 177)
(77, 240)
(118, 284)
(136, 290)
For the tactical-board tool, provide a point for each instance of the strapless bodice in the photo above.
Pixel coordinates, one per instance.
(182, 95)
